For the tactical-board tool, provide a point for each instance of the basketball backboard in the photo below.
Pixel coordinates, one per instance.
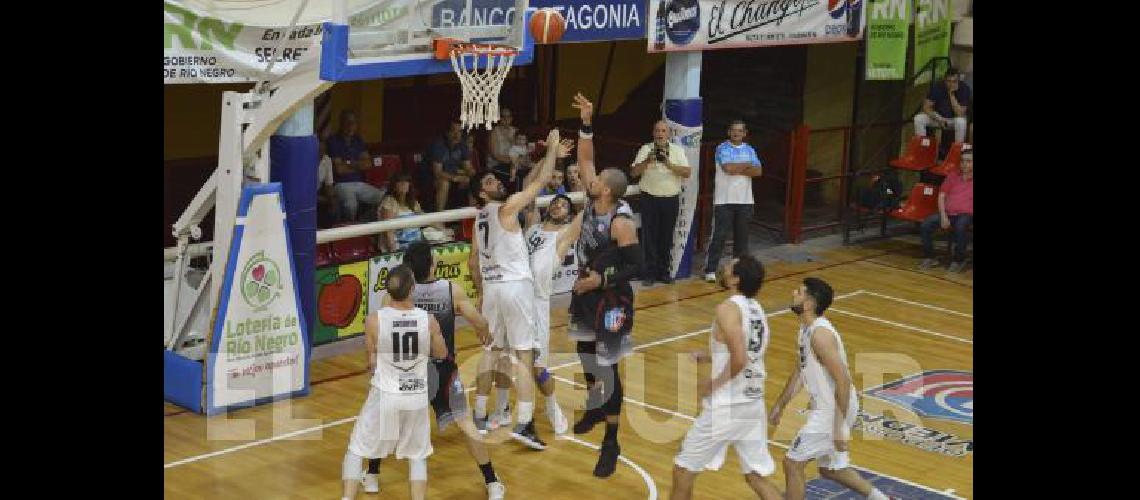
(394, 38)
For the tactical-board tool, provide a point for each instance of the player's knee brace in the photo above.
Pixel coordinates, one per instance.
(542, 377)
(350, 470)
(417, 469)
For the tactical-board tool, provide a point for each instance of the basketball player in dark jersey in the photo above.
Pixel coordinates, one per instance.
(601, 307)
(442, 299)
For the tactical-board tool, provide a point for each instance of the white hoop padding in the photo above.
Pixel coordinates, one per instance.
(481, 88)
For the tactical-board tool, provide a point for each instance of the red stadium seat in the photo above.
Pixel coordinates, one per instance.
(324, 255)
(922, 202)
(352, 249)
(950, 164)
(921, 154)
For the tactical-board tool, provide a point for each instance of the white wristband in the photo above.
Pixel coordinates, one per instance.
(584, 135)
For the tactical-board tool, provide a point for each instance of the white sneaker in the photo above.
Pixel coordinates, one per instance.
(371, 483)
(710, 277)
(496, 491)
(557, 419)
(502, 418)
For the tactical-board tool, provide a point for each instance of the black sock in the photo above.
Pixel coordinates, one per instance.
(374, 466)
(611, 433)
(488, 473)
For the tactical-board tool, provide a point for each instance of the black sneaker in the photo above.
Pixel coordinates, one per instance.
(525, 434)
(481, 424)
(589, 420)
(607, 461)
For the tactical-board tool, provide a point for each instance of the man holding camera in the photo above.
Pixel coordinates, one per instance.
(662, 167)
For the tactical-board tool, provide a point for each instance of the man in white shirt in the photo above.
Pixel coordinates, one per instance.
(736, 166)
(662, 167)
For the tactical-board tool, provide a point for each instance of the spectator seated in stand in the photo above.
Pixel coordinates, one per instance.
(574, 179)
(945, 107)
(451, 167)
(520, 162)
(400, 202)
(327, 206)
(350, 161)
(955, 212)
(555, 184)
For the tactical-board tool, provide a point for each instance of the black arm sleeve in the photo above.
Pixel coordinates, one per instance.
(632, 260)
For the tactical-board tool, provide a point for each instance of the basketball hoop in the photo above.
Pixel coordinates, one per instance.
(480, 86)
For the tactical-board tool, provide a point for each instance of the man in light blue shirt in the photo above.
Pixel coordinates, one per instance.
(736, 166)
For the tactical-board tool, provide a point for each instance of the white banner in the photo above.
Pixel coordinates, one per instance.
(198, 48)
(690, 139)
(258, 344)
(719, 24)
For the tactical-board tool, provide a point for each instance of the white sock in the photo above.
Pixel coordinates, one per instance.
(552, 404)
(501, 400)
(526, 411)
(877, 495)
(480, 406)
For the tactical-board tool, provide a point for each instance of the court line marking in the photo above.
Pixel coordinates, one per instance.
(771, 441)
(652, 485)
(919, 304)
(649, 482)
(260, 442)
(902, 325)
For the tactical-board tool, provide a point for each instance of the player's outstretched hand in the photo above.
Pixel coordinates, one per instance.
(565, 147)
(585, 107)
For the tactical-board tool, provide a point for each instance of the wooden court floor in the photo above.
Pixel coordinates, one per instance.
(895, 322)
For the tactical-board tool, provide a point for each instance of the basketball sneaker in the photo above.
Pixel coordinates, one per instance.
(525, 434)
(502, 418)
(371, 483)
(496, 491)
(481, 424)
(589, 420)
(607, 460)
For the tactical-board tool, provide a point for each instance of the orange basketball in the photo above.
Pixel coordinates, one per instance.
(547, 25)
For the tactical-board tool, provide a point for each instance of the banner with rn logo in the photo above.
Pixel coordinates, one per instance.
(720, 24)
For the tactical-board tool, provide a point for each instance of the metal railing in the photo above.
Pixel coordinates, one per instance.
(371, 228)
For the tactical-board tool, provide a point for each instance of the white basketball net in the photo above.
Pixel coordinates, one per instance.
(481, 87)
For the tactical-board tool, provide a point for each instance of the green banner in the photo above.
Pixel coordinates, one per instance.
(931, 35)
(886, 39)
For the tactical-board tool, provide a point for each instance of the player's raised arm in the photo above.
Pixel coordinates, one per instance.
(586, 139)
(568, 235)
(517, 202)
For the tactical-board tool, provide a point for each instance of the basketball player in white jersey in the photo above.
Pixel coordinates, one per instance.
(822, 368)
(549, 243)
(733, 400)
(395, 415)
(503, 270)
(443, 300)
